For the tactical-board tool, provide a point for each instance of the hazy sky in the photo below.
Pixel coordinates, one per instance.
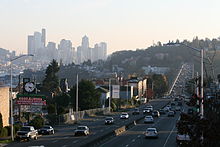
(123, 24)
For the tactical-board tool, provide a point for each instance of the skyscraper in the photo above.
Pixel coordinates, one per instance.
(30, 44)
(43, 37)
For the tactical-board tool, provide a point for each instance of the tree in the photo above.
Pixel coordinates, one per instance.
(37, 122)
(62, 102)
(89, 97)
(51, 81)
(160, 84)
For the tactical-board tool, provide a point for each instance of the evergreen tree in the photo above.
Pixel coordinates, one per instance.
(89, 97)
(51, 81)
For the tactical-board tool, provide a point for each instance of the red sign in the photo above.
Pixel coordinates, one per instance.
(30, 101)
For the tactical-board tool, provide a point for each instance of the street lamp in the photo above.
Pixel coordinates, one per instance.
(202, 66)
(11, 97)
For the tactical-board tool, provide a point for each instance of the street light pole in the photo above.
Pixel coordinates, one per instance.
(11, 96)
(202, 88)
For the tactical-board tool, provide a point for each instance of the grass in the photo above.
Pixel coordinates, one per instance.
(6, 141)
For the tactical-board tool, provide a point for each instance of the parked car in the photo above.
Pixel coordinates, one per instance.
(109, 120)
(46, 130)
(151, 133)
(124, 116)
(27, 132)
(148, 119)
(82, 130)
(147, 111)
(170, 114)
(167, 108)
(136, 111)
(156, 113)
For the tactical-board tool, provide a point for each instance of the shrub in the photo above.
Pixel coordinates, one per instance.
(1, 122)
(4, 132)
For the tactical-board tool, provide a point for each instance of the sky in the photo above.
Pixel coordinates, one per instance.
(122, 24)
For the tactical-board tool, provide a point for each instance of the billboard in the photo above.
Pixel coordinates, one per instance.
(115, 91)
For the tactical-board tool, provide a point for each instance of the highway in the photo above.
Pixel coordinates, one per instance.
(166, 127)
(64, 136)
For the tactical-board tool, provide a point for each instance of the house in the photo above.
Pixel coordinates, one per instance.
(105, 94)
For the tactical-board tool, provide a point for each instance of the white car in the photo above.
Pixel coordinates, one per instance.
(151, 133)
(148, 119)
(124, 116)
(82, 130)
(178, 108)
(150, 107)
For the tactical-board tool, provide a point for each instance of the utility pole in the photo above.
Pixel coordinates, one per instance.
(109, 102)
(77, 95)
(127, 93)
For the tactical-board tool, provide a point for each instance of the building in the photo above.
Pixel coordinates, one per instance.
(66, 52)
(4, 105)
(105, 94)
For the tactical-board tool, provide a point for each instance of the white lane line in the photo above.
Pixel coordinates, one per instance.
(133, 140)
(64, 145)
(127, 145)
(54, 141)
(75, 141)
(168, 137)
(139, 136)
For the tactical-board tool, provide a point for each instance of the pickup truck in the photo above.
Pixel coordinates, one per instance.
(27, 132)
(183, 139)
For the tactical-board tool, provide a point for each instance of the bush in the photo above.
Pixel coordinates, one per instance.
(37, 122)
(4, 132)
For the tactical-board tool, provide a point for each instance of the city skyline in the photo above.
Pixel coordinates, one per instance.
(124, 25)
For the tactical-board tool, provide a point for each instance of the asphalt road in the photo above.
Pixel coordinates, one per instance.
(166, 127)
(64, 136)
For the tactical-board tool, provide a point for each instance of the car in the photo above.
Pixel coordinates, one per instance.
(109, 120)
(151, 133)
(147, 111)
(183, 139)
(190, 111)
(150, 107)
(136, 111)
(162, 111)
(167, 108)
(82, 130)
(178, 108)
(27, 132)
(46, 130)
(124, 116)
(156, 113)
(148, 119)
(170, 114)
(173, 109)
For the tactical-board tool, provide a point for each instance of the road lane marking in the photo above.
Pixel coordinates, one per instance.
(168, 137)
(127, 145)
(139, 136)
(64, 145)
(54, 141)
(75, 141)
(133, 140)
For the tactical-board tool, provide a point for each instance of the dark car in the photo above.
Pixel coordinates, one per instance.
(156, 113)
(82, 130)
(109, 120)
(170, 114)
(136, 111)
(147, 111)
(162, 111)
(46, 130)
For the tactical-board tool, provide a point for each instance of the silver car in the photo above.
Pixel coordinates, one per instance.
(151, 133)
(124, 116)
(148, 119)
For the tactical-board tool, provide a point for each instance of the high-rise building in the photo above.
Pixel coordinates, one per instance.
(103, 50)
(85, 42)
(66, 51)
(43, 37)
(30, 44)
